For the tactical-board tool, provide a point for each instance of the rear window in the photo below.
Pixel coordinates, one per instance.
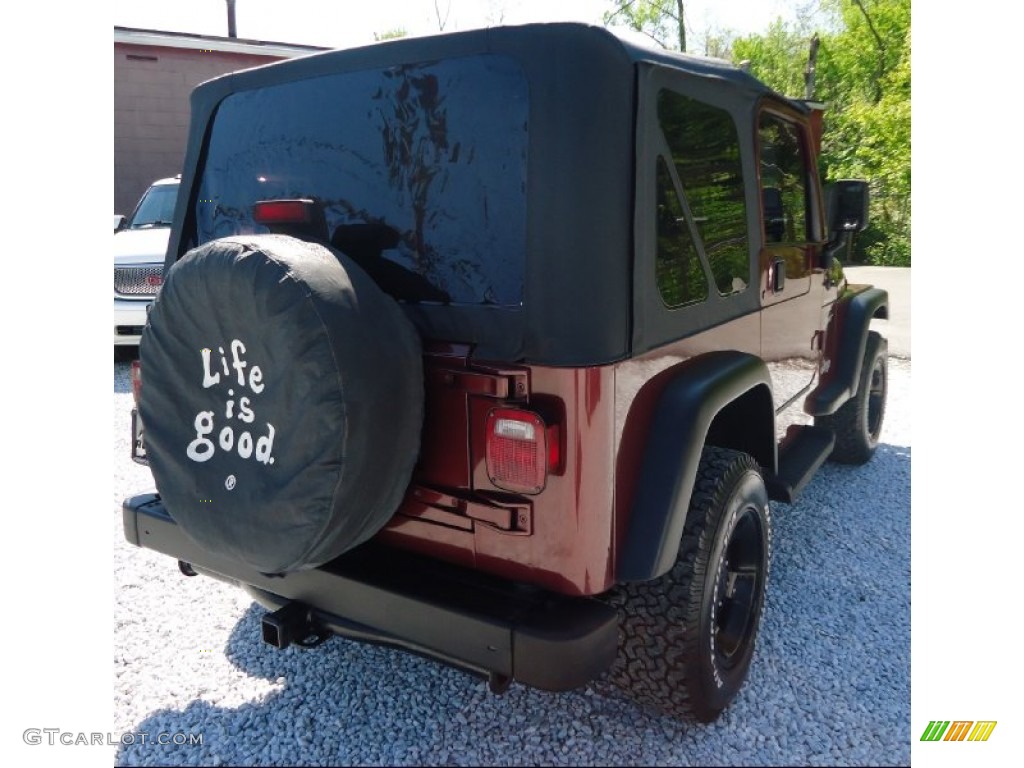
(429, 159)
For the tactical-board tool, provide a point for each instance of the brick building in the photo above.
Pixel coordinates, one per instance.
(154, 74)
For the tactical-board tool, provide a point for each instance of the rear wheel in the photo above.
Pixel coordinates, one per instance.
(687, 638)
(858, 423)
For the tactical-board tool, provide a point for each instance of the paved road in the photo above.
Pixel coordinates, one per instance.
(896, 280)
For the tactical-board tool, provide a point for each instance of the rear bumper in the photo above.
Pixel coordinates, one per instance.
(389, 597)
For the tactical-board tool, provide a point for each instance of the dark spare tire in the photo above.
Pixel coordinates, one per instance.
(282, 400)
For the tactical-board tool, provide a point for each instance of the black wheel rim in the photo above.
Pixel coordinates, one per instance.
(740, 586)
(876, 399)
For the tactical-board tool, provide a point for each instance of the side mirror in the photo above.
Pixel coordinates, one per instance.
(846, 205)
(119, 221)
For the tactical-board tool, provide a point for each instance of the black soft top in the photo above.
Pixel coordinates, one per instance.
(577, 291)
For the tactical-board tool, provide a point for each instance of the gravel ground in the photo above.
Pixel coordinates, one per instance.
(830, 684)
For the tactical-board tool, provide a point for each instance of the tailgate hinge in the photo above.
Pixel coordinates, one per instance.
(496, 383)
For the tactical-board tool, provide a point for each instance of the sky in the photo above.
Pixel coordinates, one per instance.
(342, 24)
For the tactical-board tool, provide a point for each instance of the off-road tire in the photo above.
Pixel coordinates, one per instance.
(858, 422)
(685, 640)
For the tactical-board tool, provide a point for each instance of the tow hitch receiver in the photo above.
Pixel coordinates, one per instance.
(292, 623)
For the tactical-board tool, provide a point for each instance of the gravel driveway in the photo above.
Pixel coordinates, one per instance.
(830, 684)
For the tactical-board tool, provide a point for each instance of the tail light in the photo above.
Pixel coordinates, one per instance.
(521, 449)
(136, 380)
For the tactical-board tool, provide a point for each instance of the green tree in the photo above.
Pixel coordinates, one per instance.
(863, 77)
(661, 20)
(777, 57)
(864, 72)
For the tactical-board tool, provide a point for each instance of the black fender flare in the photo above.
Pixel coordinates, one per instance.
(849, 351)
(684, 413)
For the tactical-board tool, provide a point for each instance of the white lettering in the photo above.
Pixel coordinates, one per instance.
(265, 445)
(208, 379)
(201, 449)
(245, 445)
(244, 411)
(238, 363)
(255, 380)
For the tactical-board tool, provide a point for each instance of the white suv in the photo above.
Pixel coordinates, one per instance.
(140, 243)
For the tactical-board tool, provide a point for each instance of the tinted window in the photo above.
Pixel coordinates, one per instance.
(677, 266)
(432, 155)
(706, 154)
(783, 183)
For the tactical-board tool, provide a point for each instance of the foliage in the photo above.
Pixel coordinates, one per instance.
(865, 75)
(777, 57)
(391, 34)
(660, 20)
(862, 76)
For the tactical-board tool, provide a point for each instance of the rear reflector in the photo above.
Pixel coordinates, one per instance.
(136, 380)
(517, 450)
(283, 211)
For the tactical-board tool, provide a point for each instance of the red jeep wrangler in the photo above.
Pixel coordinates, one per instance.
(484, 346)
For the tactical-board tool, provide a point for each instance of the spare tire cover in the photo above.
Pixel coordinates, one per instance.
(282, 400)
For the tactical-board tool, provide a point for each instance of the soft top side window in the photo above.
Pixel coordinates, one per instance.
(678, 271)
(705, 155)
